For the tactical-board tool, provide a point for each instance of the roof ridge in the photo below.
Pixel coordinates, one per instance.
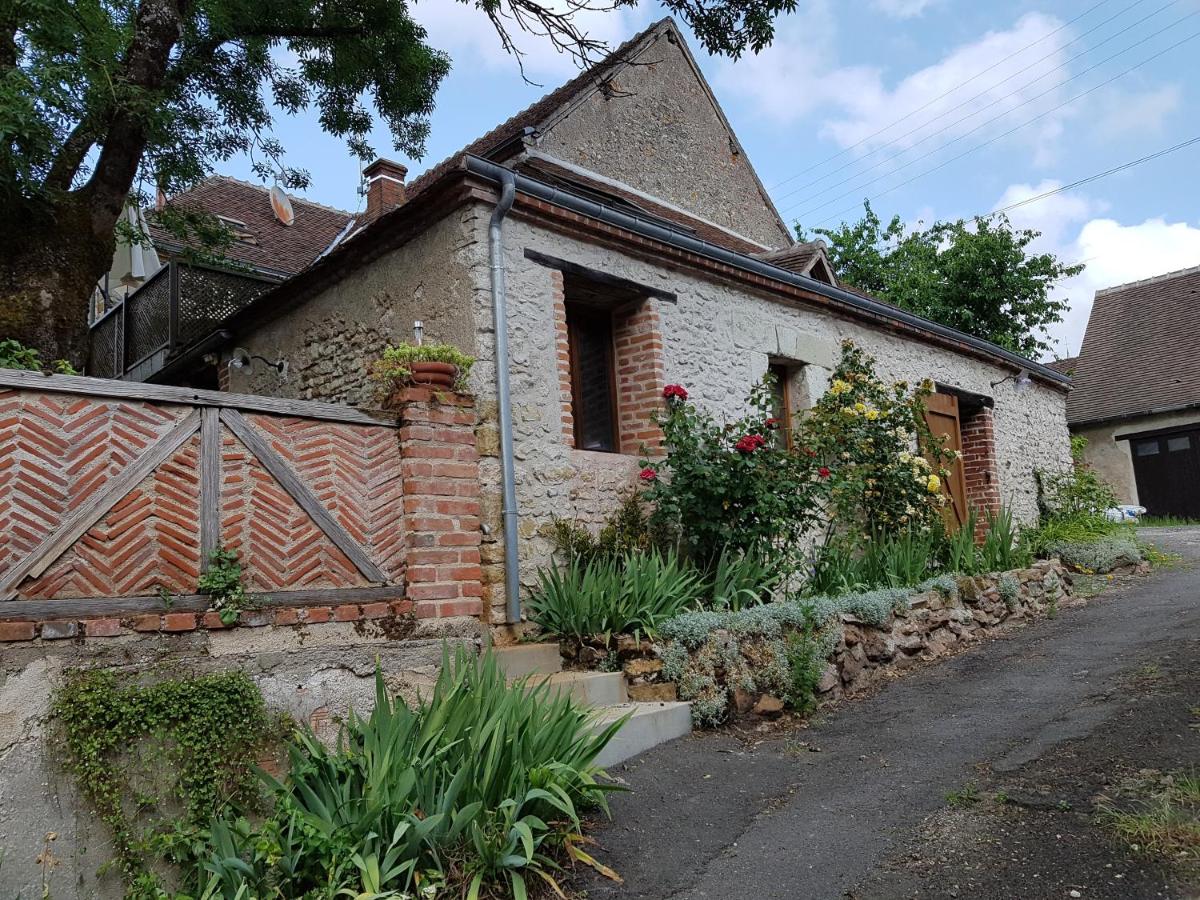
(1153, 279)
(295, 198)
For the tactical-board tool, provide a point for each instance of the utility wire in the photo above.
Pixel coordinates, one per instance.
(980, 74)
(1091, 178)
(1005, 134)
(994, 102)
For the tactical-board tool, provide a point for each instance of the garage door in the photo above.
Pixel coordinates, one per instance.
(1167, 468)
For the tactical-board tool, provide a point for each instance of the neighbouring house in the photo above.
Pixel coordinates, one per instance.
(1137, 391)
(627, 242)
(164, 296)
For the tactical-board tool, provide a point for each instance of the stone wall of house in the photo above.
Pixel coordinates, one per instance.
(659, 130)
(717, 340)
(330, 341)
(1109, 455)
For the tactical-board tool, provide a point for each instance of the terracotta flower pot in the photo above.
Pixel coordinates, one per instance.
(434, 374)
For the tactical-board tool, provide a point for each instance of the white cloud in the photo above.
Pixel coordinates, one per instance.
(468, 35)
(903, 9)
(1074, 229)
(1124, 113)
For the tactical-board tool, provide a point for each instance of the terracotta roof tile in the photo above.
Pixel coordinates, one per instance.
(1141, 351)
(272, 247)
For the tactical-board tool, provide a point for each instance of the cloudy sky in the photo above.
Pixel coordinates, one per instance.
(933, 109)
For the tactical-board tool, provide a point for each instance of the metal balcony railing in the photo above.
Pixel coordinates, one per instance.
(182, 303)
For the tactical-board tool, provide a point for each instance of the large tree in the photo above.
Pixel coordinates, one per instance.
(101, 101)
(978, 276)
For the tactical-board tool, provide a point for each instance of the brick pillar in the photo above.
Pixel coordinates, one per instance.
(440, 470)
(640, 375)
(562, 349)
(979, 466)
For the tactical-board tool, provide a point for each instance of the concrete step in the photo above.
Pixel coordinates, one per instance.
(587, 688)
(649, 725)
(519, 660)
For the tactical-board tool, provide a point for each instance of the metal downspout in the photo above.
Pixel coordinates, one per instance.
(512, 580)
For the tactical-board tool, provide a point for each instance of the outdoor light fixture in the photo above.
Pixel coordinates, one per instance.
(1021, 381)
(243, 360)
(418, 332)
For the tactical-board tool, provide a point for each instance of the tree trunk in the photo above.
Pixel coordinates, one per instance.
(48, 269)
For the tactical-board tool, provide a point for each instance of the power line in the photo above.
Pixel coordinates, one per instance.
(1091, 178)
(1005, 134)
(983, 93)
(980, 74)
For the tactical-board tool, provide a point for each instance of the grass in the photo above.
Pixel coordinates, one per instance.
(968, 796)
(1164, 821)
(1166, 522)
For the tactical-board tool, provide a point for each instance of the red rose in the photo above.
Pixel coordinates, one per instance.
(749, 443)
(675, 392)
(823, 471)
(772, 422)
(647, 474)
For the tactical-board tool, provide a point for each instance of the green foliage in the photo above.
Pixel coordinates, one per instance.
(731, 487)
(223, 583)
(1078, 494)
(471, 793)
(393, 369)
(866, 433)
(1161, 818)
(626, 531)
(604, 596)
(15, 355)
(978, 276)
(1009, 589)
(1002, 548)
(159, 760)
(900, 560)
(806, 665)
(741, 581)
(1098, 556)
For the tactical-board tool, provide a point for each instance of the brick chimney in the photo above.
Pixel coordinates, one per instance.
(385, 187)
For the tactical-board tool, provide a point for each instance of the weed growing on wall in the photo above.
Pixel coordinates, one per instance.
(159, 760)
(223, 583)
(15, 355)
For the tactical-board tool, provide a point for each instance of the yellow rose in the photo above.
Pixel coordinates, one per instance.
(934, 484)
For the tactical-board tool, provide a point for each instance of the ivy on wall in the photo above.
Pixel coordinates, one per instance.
(158, 760)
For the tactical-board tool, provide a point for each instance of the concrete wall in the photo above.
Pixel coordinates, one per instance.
(315, 674)
(659, 131)
(1110, 456)
(331, 340)
(717, 342)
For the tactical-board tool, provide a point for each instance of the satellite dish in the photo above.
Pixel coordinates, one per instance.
(282, 206)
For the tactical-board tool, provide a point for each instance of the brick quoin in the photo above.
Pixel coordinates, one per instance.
(440, 470)
(979, 466)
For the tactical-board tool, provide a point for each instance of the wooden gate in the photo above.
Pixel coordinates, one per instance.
(114, 494)
(942, 416)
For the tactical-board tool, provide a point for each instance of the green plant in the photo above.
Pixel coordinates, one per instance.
(627, 531)
(469, 794)
(732, 487)
(15, 355)
(1002, 548)
(901, 559)
(1009, 589)
(609, 596)
(1098, 556)
(1078, 494)
(1163, 820)
(968, 796)
(866, 435)
(741, 580)
(1167, 522)
(394, 367)
(806, 665)
(222, 581)
(159, 760)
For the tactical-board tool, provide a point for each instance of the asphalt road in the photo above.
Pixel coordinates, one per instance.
(813, 812)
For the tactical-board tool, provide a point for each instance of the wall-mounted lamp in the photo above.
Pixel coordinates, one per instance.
(1021, 381)
(243, 360)
(418, 332)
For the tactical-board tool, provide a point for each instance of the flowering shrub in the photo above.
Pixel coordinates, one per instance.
(876, 449)
(732, 485)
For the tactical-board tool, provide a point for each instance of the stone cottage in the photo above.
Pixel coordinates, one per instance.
(620, 235)
(1137, 392)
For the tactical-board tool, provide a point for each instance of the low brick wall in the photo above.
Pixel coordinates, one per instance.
(937, 623)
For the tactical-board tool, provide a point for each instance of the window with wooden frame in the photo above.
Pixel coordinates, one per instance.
(593, 377)
(786, 397)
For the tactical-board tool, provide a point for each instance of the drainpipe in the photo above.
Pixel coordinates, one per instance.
(512, 581)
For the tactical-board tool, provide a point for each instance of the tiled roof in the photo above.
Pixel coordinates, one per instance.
(270, 246)
(808, 258)
(1141, 351)
(628, 199)
(534, 114)
(1066, 365)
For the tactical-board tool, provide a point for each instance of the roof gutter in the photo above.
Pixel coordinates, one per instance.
(590, 208)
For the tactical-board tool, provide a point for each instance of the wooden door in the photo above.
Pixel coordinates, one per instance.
(941, 413)
(1167, 469)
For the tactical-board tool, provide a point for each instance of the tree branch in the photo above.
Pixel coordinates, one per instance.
(70, 157)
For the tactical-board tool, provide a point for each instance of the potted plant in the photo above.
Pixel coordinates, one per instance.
(434, 365)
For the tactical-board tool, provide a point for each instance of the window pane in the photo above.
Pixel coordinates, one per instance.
(592, 379)
(1147, 448)
(1182, 442)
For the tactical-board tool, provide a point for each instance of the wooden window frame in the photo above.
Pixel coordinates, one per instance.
(784, 371)
(574, 312)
